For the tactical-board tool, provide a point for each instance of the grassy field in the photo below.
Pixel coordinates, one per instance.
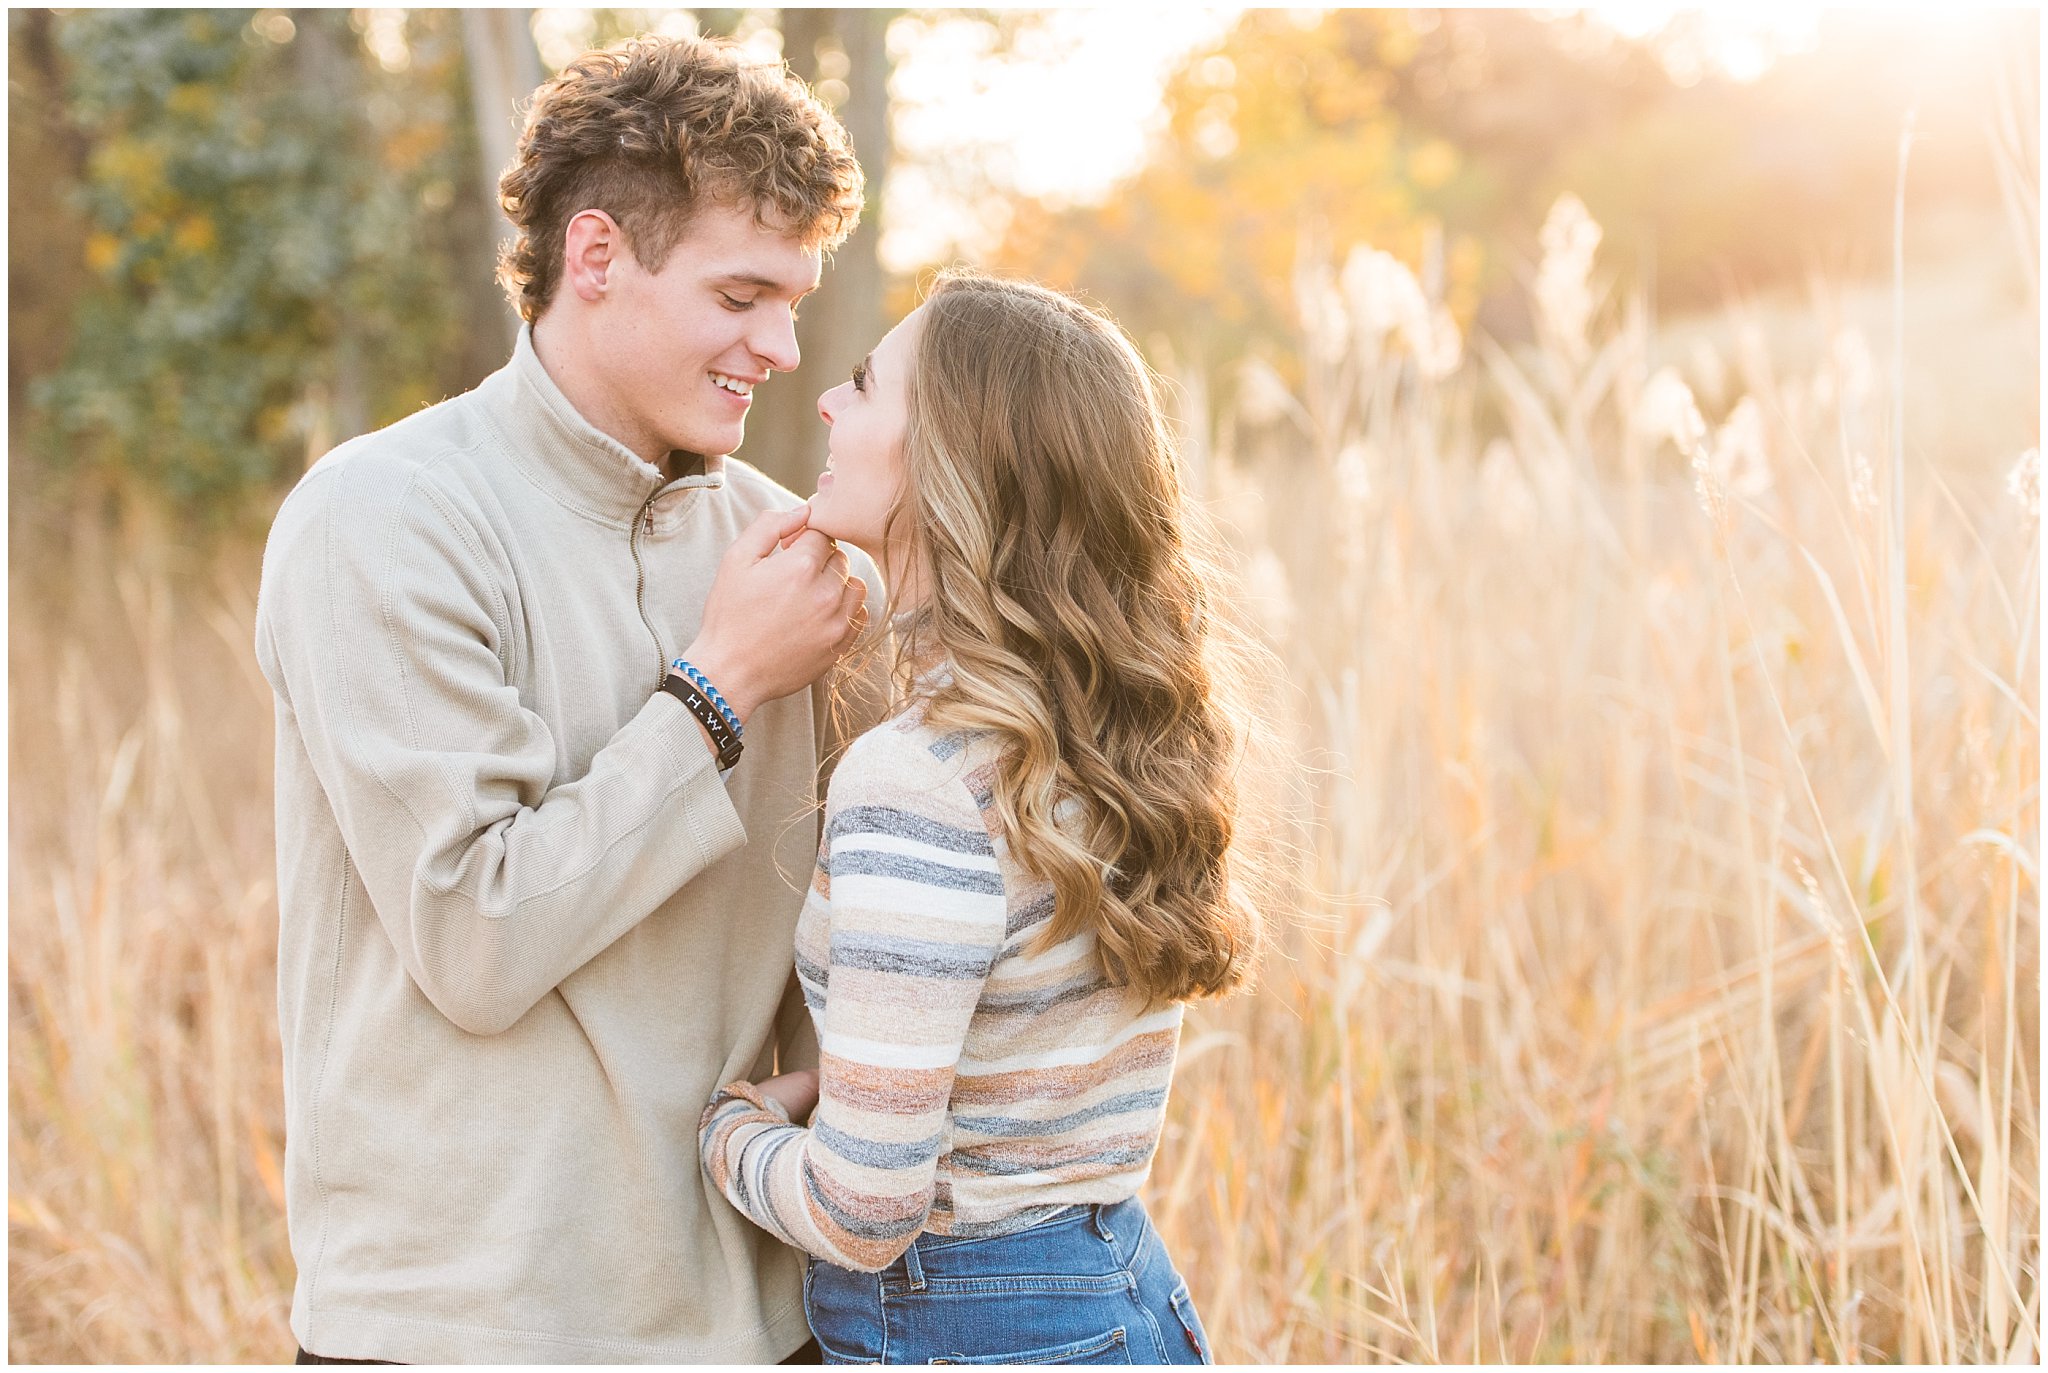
(1664, 983)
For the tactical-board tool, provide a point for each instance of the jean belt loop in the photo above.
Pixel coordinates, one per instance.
(914, 1266)
(1097, 1219)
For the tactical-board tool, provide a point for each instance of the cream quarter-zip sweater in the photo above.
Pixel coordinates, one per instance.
(525, 929)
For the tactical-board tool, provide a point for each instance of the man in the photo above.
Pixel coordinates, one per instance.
(533, 912)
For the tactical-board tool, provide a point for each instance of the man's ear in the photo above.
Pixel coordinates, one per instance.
(590, 249)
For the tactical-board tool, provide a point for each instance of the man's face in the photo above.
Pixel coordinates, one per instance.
(681, 349)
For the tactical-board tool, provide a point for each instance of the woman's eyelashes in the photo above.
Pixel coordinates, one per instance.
(860, 376)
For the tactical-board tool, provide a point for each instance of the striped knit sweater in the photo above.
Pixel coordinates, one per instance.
(969, 1083)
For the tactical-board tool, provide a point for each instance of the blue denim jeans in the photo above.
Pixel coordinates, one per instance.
(1090, 1284)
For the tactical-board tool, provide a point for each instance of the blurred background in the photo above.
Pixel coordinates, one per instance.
(1624, 427)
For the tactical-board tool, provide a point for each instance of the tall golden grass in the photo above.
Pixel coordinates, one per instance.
(1665, 983)
(1669, 983)
(145, 1094)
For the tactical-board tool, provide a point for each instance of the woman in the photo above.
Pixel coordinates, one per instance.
(1024, 872)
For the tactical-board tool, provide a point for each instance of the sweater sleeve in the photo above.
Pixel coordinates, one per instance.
(916, 920)
(387, 638)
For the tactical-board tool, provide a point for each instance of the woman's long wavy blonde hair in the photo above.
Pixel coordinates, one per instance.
(1051, 536)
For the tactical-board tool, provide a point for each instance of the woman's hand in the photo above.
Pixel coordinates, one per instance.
(796, 1093)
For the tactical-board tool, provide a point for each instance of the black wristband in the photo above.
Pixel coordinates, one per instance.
(708, 715)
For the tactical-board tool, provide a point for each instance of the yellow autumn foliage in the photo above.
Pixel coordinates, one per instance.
(1285, 129)
(194, 234)
(192, 99)
(102, 251)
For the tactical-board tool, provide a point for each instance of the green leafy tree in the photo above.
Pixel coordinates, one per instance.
(279, 246)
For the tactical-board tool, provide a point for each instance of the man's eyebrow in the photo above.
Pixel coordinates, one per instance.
(764, 283)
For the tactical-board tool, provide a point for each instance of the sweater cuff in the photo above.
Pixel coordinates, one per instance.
(714, 822)
(749, 1093)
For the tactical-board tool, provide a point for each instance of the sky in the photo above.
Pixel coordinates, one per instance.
(1070, 111)
(1064, 117)
(1739, 40)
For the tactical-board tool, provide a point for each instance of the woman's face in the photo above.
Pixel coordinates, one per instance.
(864, 466)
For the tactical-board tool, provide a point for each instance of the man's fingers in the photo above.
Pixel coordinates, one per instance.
(837, 564)
(792, 535)
(813, 547)
(770, 528)
(794, 518)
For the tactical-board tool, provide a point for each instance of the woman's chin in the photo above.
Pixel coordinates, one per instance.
(822, 521)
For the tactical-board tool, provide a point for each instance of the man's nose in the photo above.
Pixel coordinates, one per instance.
(775, 344)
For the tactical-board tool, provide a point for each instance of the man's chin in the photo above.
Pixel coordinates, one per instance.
(707, 443)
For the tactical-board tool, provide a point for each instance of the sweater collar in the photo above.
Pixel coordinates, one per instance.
(568, 457)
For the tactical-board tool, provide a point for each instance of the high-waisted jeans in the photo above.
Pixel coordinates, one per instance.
(1090, 1284)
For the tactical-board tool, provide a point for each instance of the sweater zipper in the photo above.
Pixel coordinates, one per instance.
(646, 520)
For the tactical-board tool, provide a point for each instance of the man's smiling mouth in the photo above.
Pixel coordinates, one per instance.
(732, 384)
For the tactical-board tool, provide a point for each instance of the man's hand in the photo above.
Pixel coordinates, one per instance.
(781, 611)
(857, 620)
(795, 1092)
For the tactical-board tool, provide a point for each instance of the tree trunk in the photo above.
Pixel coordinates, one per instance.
(45, 166)
(327, 55)
(504, 68)
(785, 437)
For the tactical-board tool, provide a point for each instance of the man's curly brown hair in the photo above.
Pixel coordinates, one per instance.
(650, 130)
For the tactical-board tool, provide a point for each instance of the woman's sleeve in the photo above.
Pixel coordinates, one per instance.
(916, 918)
